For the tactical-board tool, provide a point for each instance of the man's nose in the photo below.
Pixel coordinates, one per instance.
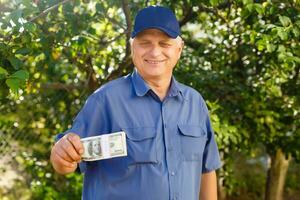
(155, 51)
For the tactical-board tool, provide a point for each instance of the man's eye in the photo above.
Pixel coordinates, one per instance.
(144, 43)
(165, 44)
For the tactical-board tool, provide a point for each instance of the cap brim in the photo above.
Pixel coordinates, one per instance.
(170, 33)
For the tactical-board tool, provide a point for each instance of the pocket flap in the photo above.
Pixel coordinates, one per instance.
(140, 133)
(191, 130)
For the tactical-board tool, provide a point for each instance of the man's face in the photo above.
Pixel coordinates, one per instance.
(155, 54)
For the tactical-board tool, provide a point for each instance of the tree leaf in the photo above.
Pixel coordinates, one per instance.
(21, 74)
(29, 11)
(285, 21)
(13, 83)
(31, 27)
(15, 16)
(2, 46)
(294, 58)
(259, 8)
(245, 2)
(261, 45)
(214, 2)
(99, 8)
(16, 63)
(3, 71)
(296, 32)
(271, 47)
(282, 33)
(23, 51)
(250, 7)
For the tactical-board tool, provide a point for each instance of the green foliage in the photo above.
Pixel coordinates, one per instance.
(45, 184)
(17, 79)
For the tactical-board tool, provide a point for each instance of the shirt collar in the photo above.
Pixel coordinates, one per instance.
(141, 87)
(174, 89)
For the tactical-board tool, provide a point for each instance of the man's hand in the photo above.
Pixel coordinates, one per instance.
(66, 153)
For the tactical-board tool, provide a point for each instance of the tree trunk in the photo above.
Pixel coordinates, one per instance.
(276, 175)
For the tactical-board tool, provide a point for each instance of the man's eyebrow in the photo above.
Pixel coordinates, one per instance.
(166, 40)
(143, 39)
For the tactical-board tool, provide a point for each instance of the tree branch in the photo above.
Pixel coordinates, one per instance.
(91, 81)
(125, 6)
(190, 15)
(114, 21)
(203, 8)
(61, 86)
(125, 66)
(48, 10)
(126, 63)
(297, 71)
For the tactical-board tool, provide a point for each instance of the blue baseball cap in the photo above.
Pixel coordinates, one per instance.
(156, 17)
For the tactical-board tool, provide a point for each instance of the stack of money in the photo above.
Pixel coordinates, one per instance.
(104, 146)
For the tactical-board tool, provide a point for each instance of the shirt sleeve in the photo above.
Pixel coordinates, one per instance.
(211, 158)
(91, 118)
(88, 122)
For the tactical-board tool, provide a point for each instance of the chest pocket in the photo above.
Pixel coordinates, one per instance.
(141, 145)
(193, 140)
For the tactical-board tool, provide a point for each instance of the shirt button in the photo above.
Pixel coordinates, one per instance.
(172, 173)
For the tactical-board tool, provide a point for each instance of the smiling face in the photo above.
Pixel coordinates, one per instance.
(155, 54)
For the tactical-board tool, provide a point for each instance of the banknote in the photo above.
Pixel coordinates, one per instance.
(104, 146)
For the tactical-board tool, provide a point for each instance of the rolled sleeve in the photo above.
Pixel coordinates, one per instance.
(211, 158)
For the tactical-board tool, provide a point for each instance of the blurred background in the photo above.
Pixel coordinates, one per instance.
(243, 56)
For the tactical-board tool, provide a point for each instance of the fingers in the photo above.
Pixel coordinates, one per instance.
(71, 145)
(68, 147)
(62, 153)
(60, 165)
(66, 153)
(61, 161)
(75, 141)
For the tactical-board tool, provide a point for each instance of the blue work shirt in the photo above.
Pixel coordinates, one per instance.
(170, 143)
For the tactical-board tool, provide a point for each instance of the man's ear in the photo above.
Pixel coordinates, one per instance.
(182, 44)
(181, 47)
(131, 45)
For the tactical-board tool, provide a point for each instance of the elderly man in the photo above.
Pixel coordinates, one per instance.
(170, 141)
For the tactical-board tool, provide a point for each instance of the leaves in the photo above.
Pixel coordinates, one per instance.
(214, 2)
(14, 84)
(31, 27)
(259, 8)
(285, 21)
(17, 80)
(271, 47)
(296, 32)
(23, 51)
(3, 71)
(21, 74)
(281, 32)
(15, 16)
(15, 62)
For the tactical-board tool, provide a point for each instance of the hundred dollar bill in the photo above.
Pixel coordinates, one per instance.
(104, 146)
